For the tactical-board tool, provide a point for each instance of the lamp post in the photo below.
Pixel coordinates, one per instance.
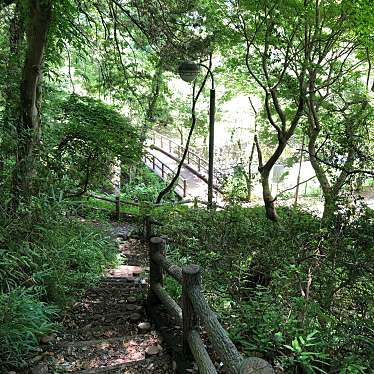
(188, 71)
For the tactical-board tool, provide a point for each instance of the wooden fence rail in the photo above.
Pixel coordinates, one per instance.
(195, 310)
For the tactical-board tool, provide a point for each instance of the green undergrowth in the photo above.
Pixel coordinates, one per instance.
(297, 294)
(48, 257)
(140, 186)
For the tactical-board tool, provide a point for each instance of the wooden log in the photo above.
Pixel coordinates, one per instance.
(156, 245)
(172, 307)
(255, 365)
(173, 270)
(191, 279)
(218, 336)
(200, 354)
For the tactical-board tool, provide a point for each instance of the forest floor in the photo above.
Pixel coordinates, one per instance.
(108, 331)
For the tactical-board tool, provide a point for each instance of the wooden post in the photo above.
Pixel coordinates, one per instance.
(184, 187)
(118, 207)
(162, 171)
(154, 138)
(191, 278)
(169, 145)
(156, 245)
(198, 163)
(188, 157)
(153, 162)
(162, 144)
(195, 202)
(147, 228)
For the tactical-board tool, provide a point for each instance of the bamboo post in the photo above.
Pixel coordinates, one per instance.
(156, 246)
(191, 278)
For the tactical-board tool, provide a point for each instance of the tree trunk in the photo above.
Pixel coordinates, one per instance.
(267, 196)
(28, 127)
(299, 173)
(13, 77)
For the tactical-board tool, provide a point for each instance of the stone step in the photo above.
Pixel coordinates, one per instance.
(89, 332)
(112, 319)
(126, 271)
(116, 290)
(108, 354)
(161, 364)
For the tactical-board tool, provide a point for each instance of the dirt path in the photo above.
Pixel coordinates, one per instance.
(107, 331)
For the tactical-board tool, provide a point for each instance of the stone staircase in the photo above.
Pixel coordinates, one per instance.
(108, 331)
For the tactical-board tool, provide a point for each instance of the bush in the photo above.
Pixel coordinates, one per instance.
(47, 258)
(296, 293)
(144, 186)
(23, 319)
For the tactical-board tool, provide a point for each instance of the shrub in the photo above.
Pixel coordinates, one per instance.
(47, 258)
(298, 294)
(23, 319)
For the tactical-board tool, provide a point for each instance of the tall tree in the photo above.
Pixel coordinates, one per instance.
(294, 49)
(39, 14)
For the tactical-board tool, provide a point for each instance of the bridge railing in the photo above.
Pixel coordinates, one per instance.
(192, 158)
(194, 310)
(164, 171)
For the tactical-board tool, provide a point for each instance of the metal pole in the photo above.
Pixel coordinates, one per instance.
(212, 110)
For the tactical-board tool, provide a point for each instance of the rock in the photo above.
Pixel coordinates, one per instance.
(131, 299)
(256, 365)
(144, 326)
(131, 307)
(36, 359)
(135, 317)
(174, 366)
(40, 369)
(47, 339)
(153, 350)
(122, 237)
(12, 372)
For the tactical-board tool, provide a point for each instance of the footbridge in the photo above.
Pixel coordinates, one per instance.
(163, 156)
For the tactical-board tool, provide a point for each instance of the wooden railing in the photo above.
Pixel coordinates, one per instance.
(195, 309)
(165, 171)
(192, 158)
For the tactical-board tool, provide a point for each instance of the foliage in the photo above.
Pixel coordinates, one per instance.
(297, 294)
(58, 253)
(47, 258)
(23, 319)
(143, 185)
(85, 138)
